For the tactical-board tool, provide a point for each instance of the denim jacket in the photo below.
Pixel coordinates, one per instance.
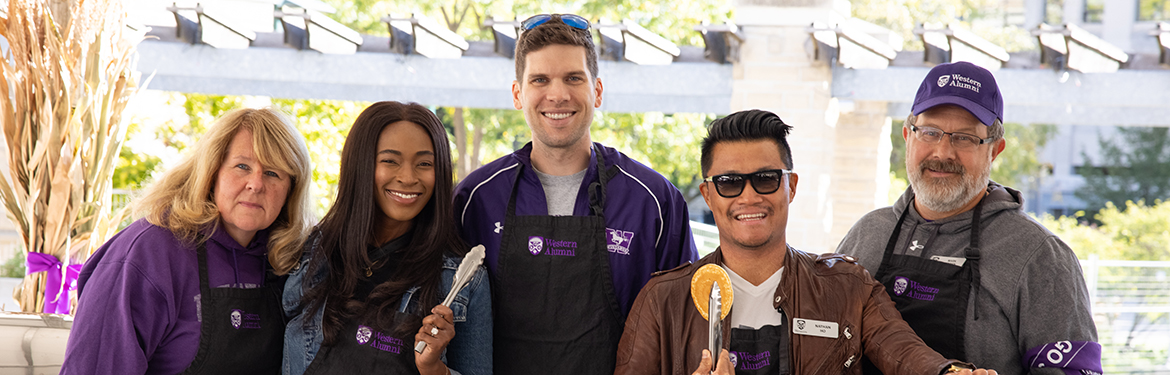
(470, 352)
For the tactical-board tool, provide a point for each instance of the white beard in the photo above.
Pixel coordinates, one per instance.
(946, 194)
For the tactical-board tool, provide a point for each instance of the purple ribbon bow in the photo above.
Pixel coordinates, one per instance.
(56, 291)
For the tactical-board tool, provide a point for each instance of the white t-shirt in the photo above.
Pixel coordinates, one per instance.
(752, 304)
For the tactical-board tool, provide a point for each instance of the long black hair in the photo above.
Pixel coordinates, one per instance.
(348, 230)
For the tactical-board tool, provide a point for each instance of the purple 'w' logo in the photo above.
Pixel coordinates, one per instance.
(535, 245)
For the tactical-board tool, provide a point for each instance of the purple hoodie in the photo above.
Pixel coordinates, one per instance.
(138, 311)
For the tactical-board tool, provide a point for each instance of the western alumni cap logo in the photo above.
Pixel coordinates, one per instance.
(963, 84)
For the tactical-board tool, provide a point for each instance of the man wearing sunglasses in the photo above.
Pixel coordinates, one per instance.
(957, 253)
(792, 312)
(572, 228)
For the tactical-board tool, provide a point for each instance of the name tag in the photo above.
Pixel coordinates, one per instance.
(817, 328)
(949, 260)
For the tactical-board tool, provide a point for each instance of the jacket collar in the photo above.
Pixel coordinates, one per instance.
(796, 262)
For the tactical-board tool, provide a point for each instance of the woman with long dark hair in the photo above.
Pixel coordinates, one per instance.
(383, 258)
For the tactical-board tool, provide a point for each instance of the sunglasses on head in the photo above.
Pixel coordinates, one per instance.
(731, 185)
(573, 20)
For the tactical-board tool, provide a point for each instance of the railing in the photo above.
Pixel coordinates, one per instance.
(1131, 308)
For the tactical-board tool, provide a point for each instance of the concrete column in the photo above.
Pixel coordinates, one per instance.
(1074, 12)
(1118, 23)
(776, 73)
(1034, 13)
(861, 169)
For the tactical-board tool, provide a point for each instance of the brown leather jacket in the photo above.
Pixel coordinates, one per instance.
(666, 335)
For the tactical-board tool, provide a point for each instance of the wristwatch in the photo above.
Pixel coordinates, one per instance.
(956, 367)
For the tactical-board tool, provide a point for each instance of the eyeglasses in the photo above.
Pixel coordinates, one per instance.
(731, 185)
(573, 20)
(960, 141)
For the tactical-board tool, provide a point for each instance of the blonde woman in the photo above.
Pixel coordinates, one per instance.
(193, 287)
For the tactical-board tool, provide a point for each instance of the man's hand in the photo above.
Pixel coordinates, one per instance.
(723, 368)
(975, 372)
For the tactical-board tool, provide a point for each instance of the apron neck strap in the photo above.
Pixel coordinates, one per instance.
(596, 189)
(201, 254)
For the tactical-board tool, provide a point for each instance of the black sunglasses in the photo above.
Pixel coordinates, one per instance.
(573, 20)
(731, 185)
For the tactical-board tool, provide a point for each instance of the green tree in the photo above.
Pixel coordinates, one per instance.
(1139, 232)
(324, 124)
(668, 143)
(1017, 165)
(133, 168)
(1134, 166)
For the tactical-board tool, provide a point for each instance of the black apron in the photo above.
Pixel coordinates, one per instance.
(931, 295)
(361, 350)
(242, 331)
(555, 309)
(761, 351)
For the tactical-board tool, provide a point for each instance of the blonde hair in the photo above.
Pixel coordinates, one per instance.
(182, 201)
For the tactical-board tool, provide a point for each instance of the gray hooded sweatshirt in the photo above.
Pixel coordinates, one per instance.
(1033, 291)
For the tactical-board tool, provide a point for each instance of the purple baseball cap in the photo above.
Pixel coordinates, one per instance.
(963, 84)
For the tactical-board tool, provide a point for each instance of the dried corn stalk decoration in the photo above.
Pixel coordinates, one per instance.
(65, 84)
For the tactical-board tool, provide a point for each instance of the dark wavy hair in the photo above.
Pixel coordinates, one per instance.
(750, 125)
(348, 230)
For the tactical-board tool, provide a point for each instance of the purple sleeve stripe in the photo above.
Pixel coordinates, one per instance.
(1074, 357)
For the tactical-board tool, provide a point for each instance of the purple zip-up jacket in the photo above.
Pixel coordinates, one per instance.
(138, 308)
(647, 225)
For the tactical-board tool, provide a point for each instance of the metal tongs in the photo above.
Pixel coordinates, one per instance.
(463, 274)
(715, 322)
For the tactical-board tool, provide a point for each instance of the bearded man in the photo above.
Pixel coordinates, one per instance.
(977, 278)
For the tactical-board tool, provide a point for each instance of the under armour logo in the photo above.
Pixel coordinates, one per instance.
(914, 246)
(499, 227)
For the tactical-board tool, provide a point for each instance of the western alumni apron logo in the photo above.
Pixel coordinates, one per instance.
(378, 340)
(618, 241)
(242, 319)
(903, 286)
(363, 334)
(900, 285)
(749, 361)
(536, 244)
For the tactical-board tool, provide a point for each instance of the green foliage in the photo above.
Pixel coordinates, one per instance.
(201, 111)
(1017, 165)
(324, 124)
(13, 267)
(668, 143)
(1154, 10)
(1135, 166)
(898, 151)
(1139, 232)
(133, 169)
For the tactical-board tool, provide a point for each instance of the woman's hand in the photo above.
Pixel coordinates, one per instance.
(437, 331)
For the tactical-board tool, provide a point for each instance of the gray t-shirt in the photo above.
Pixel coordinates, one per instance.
(561, 191)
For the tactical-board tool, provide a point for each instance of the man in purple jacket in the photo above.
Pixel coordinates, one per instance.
(573, 229)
